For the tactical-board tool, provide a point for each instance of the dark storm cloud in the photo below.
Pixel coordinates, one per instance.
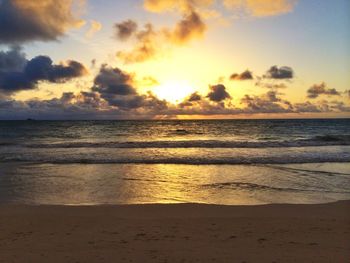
(195, 97)
(246, 75)
(12, 60)
(279, 73)
(116, 88)
(191, 100)
(321, 89)
(17, 73)
(125, 29)
(113, 81)
(11, 82)
(218, 93)
(42, 68)
(122, 102)
(29, 20)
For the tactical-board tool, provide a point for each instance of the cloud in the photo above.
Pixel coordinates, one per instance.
(267, 103)
(116, 88)
(306, 107)
(159, 6)
(270, 78)
(42, 68)
(190, 27)
(12, 60)
(339, 106)
(115, 95)
(257, 8)
(125, 29)
(90, 105)
(17, 73)
(321, 89)
(347, 92)
(272, 96)
(84, 105)
(151, 42)
(218, 93)
(191, 99)
(113, 81)
(279, 73)
(273, 86)
(95, 26)
(246, 75)
(195, 97)
(30, 20)
(146, 47)
(149, 81)
(261, 8)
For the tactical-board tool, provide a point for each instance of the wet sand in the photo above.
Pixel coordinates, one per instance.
(175, 233)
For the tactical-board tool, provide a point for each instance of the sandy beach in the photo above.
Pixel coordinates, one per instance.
(175, 233)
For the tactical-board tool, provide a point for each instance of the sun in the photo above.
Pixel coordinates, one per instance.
(173, 90)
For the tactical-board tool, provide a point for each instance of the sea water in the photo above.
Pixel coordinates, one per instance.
(166, 161)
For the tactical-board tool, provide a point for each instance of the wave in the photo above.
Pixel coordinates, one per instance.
(197, 160)
(306, 172)
(326, 140)
(252, 186)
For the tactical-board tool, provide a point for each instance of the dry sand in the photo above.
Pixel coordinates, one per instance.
(175, 233)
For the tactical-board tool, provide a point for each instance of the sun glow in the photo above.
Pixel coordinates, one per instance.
(174, 91)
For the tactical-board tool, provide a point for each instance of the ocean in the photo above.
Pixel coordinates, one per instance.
(228, 162)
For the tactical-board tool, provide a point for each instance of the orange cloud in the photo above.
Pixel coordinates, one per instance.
(145, 48)
(257, 8)
(190, 27)
(150, 42)
(261, 8)
(29, 20)
(159, 6)
(95, 26)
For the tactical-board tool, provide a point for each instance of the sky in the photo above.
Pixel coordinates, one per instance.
(174, 59)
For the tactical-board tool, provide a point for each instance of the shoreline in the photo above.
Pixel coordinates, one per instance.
(176, 233)
(163, 205)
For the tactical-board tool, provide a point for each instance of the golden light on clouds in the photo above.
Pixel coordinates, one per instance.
(95, 26)
(252, 7)
(58, 15)
(262, 7)
(155, 56)
(178, 5)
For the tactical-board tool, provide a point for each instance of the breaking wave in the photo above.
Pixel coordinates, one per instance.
(326, 140)
(195, 160)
